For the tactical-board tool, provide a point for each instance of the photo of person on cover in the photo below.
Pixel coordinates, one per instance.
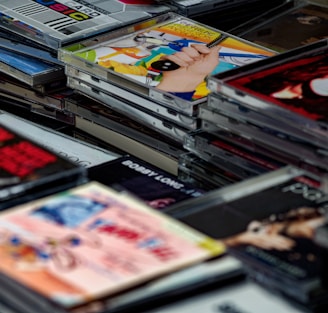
(271, 227)
(288, 237)
(281, 231)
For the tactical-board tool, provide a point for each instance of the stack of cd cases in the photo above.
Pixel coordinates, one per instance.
(32, 78)
(276, 108)
(125, 133)
(31, 33)
(127, 69)
(194, 169)
(34, 67)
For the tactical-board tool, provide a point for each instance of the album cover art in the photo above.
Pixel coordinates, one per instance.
(173, 57)
(272, 231)
(90, 242)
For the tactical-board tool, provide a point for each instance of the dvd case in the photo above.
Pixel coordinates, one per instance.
(21, 91)
(29, 170)
(15, 104)
(20, 39)
(54, 24)
(52, 119)
(220, 160)
(130, 244)
(290, 87)
(133, 58)
(273, 239)
(218, 149)
(28, 50)
(206, 175)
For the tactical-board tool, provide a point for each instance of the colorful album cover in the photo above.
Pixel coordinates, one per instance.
(296, 27)
(26, 166)
(272, 231)
(143, 56)
(90, 242)
(156, 187)
(297, 84)
(56, 23)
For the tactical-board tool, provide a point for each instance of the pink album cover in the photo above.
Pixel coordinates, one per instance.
(90, 242)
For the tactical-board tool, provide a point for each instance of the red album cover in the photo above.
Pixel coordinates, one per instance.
(26, 166)
(298, 84)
